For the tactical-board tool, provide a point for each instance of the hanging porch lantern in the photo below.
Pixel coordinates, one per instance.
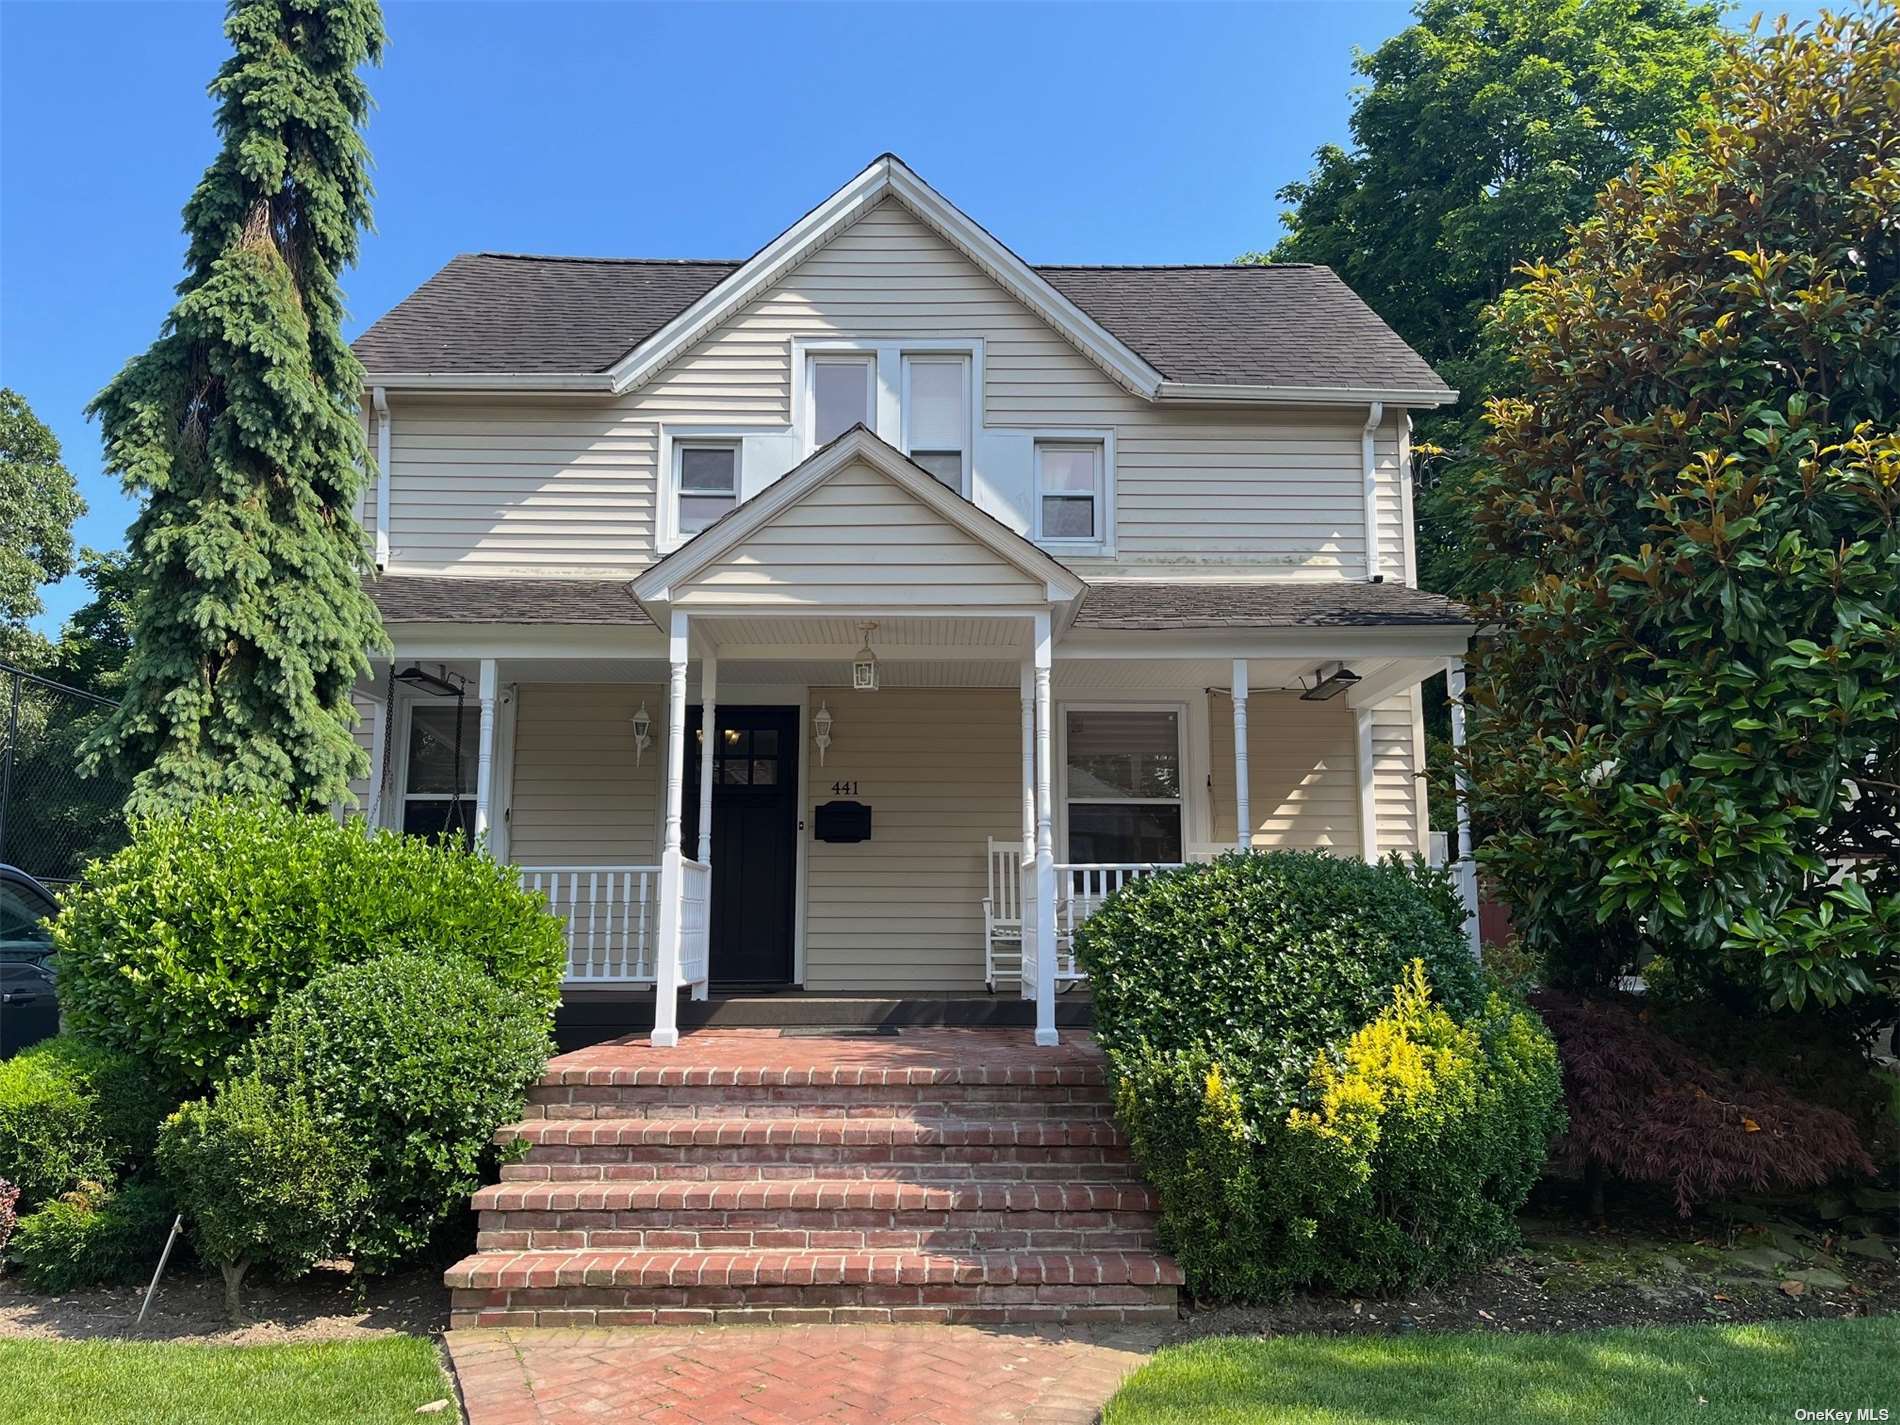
(864, 666)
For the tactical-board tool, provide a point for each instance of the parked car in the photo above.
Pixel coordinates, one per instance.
(29, 1005)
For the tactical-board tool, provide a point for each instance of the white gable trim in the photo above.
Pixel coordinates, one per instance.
(887, 177)
(856, 445)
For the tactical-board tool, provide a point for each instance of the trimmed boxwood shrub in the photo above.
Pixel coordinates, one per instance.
(260, 1178)
(416, 1063)
(1261, 961)
(178, 947)
(1419, 1145)
(73, 1111)
(9, 1201)
(92, 1236)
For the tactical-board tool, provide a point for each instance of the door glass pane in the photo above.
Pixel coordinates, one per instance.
(732, 771)
(1113, 753)
(764, 772)
(432, 750)
(1066, 517)
(1110, 833)
(765, 741)
(840, 398)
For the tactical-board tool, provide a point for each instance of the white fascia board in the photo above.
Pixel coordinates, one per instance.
(887, 176)
(1215, 393)
(597, 383)
(1390, 641)
(451, 641)
(657, 583)
(1025, 284)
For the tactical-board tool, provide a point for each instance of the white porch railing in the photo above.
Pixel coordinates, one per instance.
(611, 914)
(1081, 887)
(695, 920)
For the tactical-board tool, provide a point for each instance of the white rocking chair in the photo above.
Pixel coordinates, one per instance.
(1003, 913)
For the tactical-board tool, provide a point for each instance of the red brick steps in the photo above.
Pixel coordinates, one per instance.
(934, 1175)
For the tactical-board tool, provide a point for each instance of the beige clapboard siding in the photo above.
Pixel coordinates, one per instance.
(942, 772)
(578, 798)
(523, 485)
(835, 546)
(499, 485)
(1303, 785)
(1398, 732)
(1390, 497)
(367, 714)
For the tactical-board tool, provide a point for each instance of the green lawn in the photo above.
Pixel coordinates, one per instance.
(1721, 1375)
(145, 1383)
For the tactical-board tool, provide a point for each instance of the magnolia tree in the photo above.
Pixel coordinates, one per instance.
(239, 431)
(1684, 731)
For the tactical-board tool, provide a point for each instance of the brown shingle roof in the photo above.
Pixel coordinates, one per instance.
(414, 598)
(1287, 325)
(1144, 605)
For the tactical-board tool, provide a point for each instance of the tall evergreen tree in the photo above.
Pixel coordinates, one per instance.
(239, 429)
(39, 500)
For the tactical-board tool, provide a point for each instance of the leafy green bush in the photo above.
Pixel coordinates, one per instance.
(73, 1111)
(260, 1179)
(178, 947)
(9, 1200)
(1261, 961)
(92, 1236)
(1407, 1164)
(417, 1062)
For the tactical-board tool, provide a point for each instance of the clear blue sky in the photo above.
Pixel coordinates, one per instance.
(1075, 133)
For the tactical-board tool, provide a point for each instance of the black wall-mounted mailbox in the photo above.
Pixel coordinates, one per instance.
(842, 821)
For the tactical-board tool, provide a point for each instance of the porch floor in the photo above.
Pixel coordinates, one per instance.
(592, 1015)
(768, 1055)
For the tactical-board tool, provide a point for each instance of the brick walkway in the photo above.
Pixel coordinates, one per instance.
(837, 1375)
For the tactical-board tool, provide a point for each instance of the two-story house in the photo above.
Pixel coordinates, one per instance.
(995, 585)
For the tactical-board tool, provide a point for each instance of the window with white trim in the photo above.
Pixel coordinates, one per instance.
(438, 782)
(705, 483)
(1122, 784)
(937, 416)
(1070, 492)
(842, 390)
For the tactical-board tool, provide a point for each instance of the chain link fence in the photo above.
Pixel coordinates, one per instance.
(52, 819)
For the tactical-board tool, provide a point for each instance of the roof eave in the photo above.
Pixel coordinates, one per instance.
(1218, 393)
(598, 382)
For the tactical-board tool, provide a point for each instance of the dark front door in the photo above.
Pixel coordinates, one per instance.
(754, 839)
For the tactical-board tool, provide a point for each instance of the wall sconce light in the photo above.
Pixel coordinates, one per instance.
(1332, 680)
(821, 730)
(864, 666)
(642, 733)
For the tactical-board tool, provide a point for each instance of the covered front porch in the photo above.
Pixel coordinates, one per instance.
(916, 843)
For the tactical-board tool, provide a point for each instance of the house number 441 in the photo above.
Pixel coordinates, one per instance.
(844, 789)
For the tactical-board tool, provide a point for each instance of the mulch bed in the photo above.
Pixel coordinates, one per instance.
(190, 1307)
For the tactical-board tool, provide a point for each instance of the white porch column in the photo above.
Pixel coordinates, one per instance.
(1243, 809)
(1368, 802)
(708, 728)
(485, 690)
(1029, 759)
(1467, 871)
(667, 967)
(1045, 909)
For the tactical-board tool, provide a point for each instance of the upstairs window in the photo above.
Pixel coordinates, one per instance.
(706, 475)
(843, 394)
(1069, 492)
(937, 416)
